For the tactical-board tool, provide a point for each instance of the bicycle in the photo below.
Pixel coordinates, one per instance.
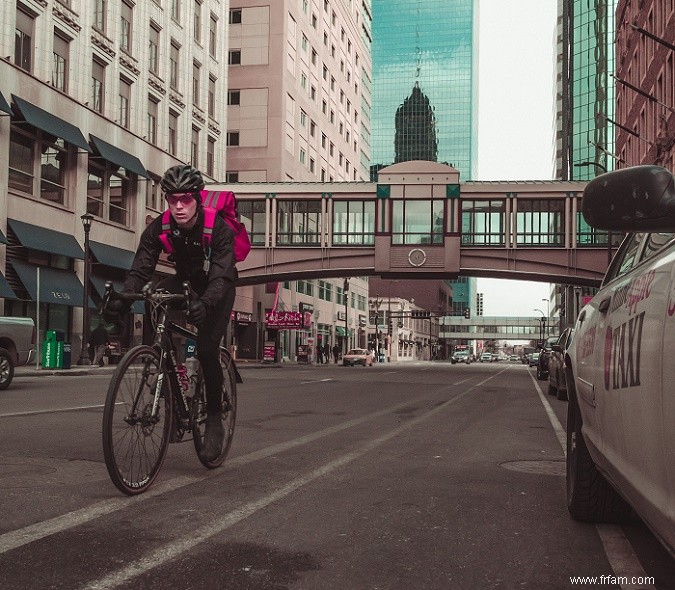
(152, 401)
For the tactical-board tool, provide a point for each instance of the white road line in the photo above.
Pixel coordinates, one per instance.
(618, 549)
(40, 530)
(181, 546)
(54, 410)
(315, 381)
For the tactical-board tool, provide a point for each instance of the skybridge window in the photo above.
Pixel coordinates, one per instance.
(417, 221)
(353, 223)
(483, 223)
(298, 223)
(540, 222)
(589, 236)
(252, 215)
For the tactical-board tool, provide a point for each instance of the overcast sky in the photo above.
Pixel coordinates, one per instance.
(516, 111)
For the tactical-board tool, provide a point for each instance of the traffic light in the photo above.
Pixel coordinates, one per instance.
(420, 314)
(467, 313)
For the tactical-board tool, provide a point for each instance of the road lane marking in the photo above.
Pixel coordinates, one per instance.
(40, 530)
(34, 412)
(619, 551)
(315, 381)
(181, 547)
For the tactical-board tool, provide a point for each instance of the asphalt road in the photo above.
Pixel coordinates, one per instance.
(401, 477)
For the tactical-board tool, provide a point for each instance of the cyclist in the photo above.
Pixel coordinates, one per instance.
(212, 279)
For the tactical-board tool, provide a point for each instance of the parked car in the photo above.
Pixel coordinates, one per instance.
(621, 411)
(533, 359)
(17, 346)
(557, 384)
(358, 356)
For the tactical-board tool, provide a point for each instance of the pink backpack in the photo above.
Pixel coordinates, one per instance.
(222, 203)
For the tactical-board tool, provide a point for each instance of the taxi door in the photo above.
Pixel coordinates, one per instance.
(628, 394)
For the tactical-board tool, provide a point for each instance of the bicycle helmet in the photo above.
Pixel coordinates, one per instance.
(182, 179)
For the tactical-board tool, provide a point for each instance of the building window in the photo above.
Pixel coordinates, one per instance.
(540, 222)
(198, 21)
(125, 29)
(125, 101)
(97, 86)
(100, 7)
(194, 148)
(37, 161)
(109, 191)
(302, 156)
(233, 177)
(152, 120)
(213, 35)
(60, 65)
(23, 41)
(174, 61)
(233, 138)
(233, 97)
(234, 57)
(483, 222)
(210, 155)
(154, 50)
(235, 16)
(175, 10)
(212, 97)
(173, 133)
(195, 83)
(153, 193)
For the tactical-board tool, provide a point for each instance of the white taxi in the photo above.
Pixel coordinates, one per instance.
(620, 375)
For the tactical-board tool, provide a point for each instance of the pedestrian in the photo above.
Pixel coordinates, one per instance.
(319, 354)
(326, 352)
(99, 340)
(336, 353)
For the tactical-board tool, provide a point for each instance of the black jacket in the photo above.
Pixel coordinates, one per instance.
(188, 254)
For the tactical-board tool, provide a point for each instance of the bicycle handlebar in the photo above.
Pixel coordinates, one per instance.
(147, 294)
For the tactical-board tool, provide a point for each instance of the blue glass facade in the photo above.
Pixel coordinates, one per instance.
(424, 83)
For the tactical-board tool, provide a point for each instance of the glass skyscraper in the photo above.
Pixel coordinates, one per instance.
(586, 89)
(424, 83)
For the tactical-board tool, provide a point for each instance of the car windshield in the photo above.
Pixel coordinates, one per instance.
(357, 351)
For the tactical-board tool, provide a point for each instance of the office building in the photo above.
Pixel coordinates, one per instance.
(425, 83)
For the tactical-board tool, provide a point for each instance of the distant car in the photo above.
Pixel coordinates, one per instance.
(460, 356)
(358, 356)
(533, 360)
(486, 357)
(557, 383)
(619, 368)
(514, 358)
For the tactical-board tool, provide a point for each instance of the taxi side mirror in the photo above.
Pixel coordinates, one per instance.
(556, 348)
(640, 198)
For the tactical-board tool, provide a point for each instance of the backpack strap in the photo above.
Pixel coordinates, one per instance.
(165, 234)
(207, 233)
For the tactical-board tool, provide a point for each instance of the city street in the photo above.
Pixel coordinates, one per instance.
(399, 476)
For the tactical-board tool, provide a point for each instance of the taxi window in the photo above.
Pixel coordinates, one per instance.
(654, 242)
(630, 253)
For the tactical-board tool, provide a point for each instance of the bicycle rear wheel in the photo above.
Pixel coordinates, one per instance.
(134, 440)
(229, 414)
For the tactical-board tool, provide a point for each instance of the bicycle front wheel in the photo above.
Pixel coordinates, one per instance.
(229, 414)
(136, 437)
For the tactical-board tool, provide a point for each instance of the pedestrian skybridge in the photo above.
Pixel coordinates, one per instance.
(495, 328)
(419, 222)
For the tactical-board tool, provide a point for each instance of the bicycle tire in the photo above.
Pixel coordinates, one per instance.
(134, 452)
(229, 416)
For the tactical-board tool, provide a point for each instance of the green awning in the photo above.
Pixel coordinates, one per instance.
(46, 240)
(4, 105)
(41, 119)
(117, 156)
(99, 285)
(6, 292)
(56, 285)
(112, 256)
(340, 331)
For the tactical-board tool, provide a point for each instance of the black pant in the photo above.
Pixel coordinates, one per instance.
(209, 336)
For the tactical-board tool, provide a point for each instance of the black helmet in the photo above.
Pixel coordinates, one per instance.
(182, 179)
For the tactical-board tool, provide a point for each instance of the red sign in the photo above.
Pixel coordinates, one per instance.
(284, 319)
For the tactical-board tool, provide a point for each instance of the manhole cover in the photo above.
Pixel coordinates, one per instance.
(18, 472)
(537, 467)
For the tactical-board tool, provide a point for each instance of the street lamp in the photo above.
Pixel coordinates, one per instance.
(548, 314)
(375, 306)
(346, 290)
(542, 326)
(87, 219)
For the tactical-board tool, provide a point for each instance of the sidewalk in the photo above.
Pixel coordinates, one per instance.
(77, 370)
